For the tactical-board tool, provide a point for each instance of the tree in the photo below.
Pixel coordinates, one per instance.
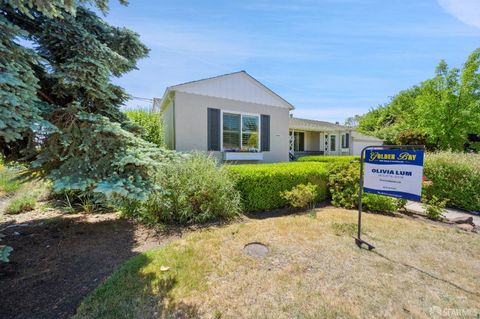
(60, 111)
(449, 107)
(150, 125)
(441, 111)
(352, 121)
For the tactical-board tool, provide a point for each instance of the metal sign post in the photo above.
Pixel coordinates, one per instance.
(406, 158)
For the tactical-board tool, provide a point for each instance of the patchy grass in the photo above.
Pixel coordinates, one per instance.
(20, 204)
(8, 183)
(313, 270)
(26, 199)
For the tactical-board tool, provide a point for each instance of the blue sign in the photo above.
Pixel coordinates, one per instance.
(394, 173)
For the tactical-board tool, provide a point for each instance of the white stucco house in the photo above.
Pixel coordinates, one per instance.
(236, 118)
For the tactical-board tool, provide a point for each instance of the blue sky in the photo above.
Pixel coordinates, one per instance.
(330, 58)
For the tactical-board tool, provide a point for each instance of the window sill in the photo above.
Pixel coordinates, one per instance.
(242, 156)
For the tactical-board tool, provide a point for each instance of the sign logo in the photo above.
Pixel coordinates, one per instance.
(394, 173)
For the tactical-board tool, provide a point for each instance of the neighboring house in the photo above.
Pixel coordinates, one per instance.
(359, 141)
(236, 118)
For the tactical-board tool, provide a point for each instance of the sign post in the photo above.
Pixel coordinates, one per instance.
(390, 170)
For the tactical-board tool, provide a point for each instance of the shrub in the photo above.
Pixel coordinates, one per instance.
(344, 186)
(301, 195)
(329, 159)
(455, 177)
(21, 204)
(434, 207)
(261, 185)
(151, 125)
(192, 189)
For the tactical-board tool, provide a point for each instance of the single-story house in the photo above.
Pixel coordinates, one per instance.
(236, 118)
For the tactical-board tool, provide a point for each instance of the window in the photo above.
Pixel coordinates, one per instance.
(249, 132)
(240, 132)
(346, 140)
(231, 131)
(333, 139)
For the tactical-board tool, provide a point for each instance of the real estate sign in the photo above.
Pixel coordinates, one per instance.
(395, 173)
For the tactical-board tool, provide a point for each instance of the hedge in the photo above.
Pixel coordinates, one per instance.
(261, 184)
(328, 159)
(454, 176)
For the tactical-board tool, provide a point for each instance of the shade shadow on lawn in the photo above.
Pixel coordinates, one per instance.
(143, 295)
(55, 265)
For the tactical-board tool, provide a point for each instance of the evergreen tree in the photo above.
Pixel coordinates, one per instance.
(59, 110)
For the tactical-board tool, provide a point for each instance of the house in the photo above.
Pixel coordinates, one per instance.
(236, 118)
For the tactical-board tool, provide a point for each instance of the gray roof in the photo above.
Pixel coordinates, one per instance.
(314, 125)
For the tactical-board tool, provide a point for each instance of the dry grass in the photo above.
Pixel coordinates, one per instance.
(313, 270)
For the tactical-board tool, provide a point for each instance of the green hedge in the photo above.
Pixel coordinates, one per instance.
(454, 176)
(261, 184)
(328, 159)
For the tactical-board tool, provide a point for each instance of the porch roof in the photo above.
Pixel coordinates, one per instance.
(314, 125)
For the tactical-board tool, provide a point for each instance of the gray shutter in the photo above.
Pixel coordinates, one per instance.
(265, 133)
(347, 140)
(213, 129)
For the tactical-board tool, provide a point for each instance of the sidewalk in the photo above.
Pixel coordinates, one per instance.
(449, 213)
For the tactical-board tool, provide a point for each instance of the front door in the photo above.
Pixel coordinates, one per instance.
(332, 147)
(299, 142)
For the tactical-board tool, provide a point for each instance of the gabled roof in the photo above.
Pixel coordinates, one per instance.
(314, 125)
(239, 86)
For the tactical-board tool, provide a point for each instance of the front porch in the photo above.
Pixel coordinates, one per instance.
(308, 137)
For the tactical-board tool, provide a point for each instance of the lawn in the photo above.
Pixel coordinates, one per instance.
(313, 270)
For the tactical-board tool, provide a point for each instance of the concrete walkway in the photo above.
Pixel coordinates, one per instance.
(449, 213)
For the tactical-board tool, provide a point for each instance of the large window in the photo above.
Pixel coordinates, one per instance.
(240, 132)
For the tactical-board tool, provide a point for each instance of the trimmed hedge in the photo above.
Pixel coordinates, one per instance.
(261, 185)
(329, 159)
(344, 185)
(454, 176)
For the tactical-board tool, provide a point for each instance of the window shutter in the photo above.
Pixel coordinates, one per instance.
(265, 133)
(347, 140)
(213, 129)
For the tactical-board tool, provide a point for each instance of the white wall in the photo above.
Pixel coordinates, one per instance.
(168, 126)
(359, 145)
(191, 123)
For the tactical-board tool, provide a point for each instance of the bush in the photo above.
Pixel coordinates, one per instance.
(301, 195)
(194, 189)
(434, 207)
(344, 186)
(21, 204)
(261, 185)
(329, 159)
(151, 125)
(455, 177)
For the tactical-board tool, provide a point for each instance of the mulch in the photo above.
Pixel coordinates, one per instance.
(54, 265)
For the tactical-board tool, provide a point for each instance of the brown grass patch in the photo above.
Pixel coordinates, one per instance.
(313, 270)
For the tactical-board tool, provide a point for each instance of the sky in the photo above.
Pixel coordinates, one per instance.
(331, 59)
